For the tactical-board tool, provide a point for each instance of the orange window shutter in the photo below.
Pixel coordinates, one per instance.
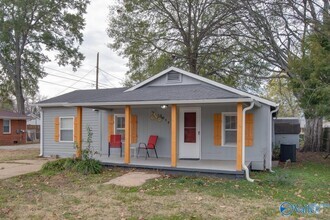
(217, 121)
(249, 130)
(111, 126)
(56, 129)
(76, 129)
(134, 135)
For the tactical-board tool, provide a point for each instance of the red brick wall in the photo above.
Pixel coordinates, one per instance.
(10, 139)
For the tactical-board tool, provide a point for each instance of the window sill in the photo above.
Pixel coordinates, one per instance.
(230, 146)
(6, 133)
(66, 141)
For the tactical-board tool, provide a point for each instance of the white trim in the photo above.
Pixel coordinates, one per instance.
(3, 125)
(271, 131)
(203, 79)
(202, 101)
(59, 130)
(41, 133)
(115, 116)
(224, 114)
(198, 111)
(245, 168)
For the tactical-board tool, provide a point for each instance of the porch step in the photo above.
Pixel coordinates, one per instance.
(182, 171)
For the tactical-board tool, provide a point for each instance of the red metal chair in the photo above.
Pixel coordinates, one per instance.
(151, 145)
(115, 142)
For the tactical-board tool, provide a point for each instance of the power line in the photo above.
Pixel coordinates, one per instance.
(63, 77)
(60, 71)
(76, 82)
(111, 74)
(57, 84)
(108, 80)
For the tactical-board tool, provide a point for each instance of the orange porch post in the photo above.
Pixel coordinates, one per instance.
(173, 135)
(79, 132)
(239, 136)
(127, 151)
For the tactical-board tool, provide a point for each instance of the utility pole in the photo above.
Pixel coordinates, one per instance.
(97, 71)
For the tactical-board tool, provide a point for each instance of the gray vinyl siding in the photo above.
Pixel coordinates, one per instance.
(63, 149)
(162, 81)
(256, 153)
(91, 119)
(162, 129)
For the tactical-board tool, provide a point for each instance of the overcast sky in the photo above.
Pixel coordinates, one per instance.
(95, 40)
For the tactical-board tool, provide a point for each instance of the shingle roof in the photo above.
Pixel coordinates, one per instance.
(287, 126)
(11, 115)
(147, 93)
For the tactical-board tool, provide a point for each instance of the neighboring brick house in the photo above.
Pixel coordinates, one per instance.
(12, 128)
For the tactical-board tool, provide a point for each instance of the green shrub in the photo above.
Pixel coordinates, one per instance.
(69, 164)
(276, 153)
(89, 166)
(54, 166)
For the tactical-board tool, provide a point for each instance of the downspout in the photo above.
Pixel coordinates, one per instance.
(41, 131)
(245, 168)
(271, 138)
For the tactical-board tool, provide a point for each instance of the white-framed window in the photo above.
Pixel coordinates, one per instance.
(120, 125)
(66, 129)
(6, 126)
(229, 129)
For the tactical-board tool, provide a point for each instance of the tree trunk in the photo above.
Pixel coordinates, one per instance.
(313, 134)
(18, 88)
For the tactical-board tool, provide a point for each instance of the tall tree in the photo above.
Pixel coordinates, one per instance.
(279, 33)
(189, 34)
(30, 31)
(279, 91)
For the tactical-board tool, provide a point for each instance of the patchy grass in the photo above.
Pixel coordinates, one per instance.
(8, 155)
(69, 195)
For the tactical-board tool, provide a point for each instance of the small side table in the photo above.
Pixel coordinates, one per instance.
(134, 149)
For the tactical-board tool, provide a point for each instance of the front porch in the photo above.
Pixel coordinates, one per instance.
(191, 167)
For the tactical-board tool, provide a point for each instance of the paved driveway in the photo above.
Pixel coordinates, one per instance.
(20, 167)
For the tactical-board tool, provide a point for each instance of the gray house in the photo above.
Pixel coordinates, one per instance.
(202, 125)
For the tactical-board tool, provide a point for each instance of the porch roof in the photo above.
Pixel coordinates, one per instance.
(193, 92)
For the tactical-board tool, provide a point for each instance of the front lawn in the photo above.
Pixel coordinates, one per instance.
(69, 195)
(9, 155)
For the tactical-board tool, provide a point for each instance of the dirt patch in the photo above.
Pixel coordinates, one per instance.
(318, 157)
(132, 179)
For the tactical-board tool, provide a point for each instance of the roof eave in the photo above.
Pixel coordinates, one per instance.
(160, 102)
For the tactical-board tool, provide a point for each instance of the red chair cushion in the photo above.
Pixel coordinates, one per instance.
(152, 142)
(115, 141)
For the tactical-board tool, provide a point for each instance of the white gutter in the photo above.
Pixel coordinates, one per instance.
(271, 138)
(139, 103)
(245, 168)
(41, 133)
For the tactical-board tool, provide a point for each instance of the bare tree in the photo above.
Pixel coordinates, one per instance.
(189, 34)
(278, 32)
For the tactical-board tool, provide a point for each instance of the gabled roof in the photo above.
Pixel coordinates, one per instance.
(203, 79)
(200, 90)
(199, 93)
(11, 115)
